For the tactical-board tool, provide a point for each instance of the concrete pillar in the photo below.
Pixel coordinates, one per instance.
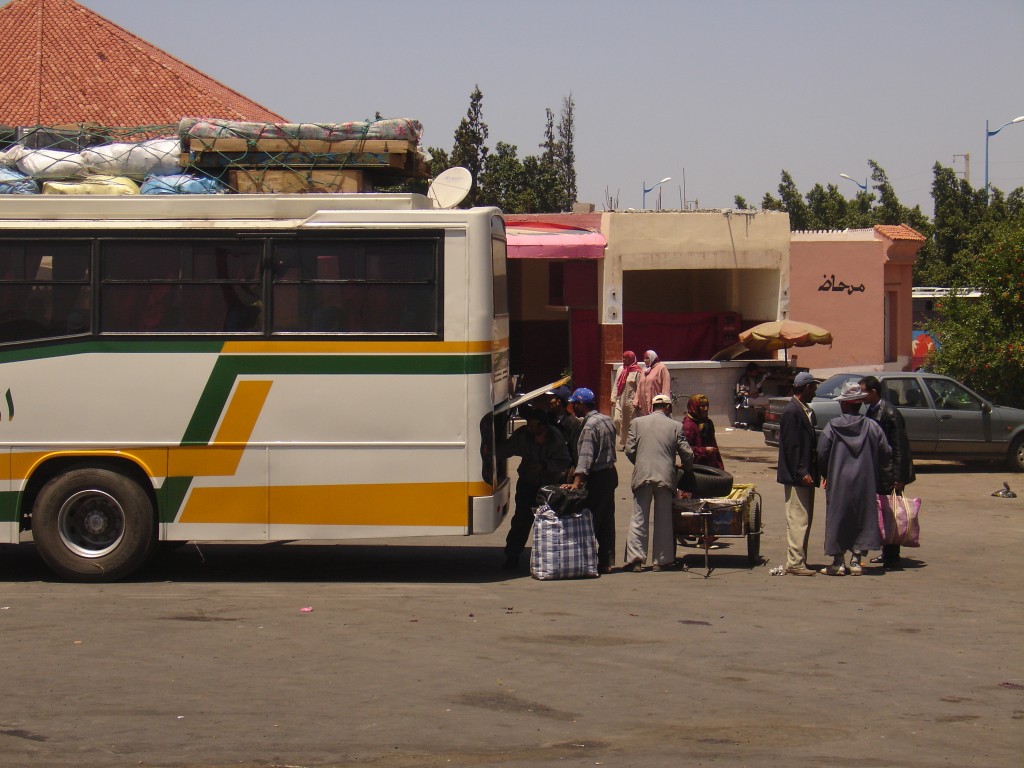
(611, 356)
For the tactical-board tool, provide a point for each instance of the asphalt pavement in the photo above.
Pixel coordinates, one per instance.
(423, 652)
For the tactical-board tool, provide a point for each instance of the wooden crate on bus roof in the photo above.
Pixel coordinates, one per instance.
(291, 181)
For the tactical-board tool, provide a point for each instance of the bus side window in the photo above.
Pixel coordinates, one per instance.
(41, 285)
(357, 285)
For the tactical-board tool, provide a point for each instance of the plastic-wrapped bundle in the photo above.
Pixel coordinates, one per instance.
(398, 128)
(182, 184)
(14, 183)
(49, 163)
(9, 157)
(151, 157)
(92, 185)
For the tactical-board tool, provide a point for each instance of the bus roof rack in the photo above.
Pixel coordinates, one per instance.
(178, 207)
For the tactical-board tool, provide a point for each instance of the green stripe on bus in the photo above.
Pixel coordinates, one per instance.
(8, 506)
(172, 496)
(229, 367)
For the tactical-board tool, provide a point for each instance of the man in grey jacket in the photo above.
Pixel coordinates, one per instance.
(653, 444)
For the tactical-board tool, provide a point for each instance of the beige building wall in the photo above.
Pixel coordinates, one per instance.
(734, 261)
(690, 261)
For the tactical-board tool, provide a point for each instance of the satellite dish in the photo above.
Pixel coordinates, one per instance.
(450, 187)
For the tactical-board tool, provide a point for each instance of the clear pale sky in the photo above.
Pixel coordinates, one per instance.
(732, 92)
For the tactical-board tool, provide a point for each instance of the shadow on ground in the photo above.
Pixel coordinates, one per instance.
(290, 562)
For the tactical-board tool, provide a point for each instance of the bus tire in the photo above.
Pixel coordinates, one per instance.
(93, 524)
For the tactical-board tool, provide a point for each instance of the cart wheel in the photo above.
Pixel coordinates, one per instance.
(754, 531)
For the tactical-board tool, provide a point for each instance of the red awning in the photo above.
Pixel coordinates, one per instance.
(544, 240)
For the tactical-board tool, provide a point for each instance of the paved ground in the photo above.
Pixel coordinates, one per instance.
(425, 653)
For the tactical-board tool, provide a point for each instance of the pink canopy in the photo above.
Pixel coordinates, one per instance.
(548, 240)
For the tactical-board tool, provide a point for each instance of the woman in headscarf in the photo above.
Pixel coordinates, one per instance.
(700, 433)
(655, 381)
(625, 391)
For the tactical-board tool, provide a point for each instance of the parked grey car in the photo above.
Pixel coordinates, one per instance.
(945, 419)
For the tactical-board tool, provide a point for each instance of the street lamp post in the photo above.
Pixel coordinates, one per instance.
(652, 188)
(989, 134)
(863, 187)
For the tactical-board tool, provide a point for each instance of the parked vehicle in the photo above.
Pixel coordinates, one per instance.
(945, 419)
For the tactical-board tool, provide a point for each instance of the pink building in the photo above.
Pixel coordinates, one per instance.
(857, 284)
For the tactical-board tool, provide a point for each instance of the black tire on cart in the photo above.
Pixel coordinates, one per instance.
(754, 530)
(708, 482)
(93, 524)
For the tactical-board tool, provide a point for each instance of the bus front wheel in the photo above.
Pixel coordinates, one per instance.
(93, 525)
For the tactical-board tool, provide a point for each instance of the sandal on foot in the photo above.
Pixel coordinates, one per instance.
(856, 569)
(834, 570)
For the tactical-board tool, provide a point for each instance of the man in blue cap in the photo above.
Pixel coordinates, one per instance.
(595, 465)
(559, 417)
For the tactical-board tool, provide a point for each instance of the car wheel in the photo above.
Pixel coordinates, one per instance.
(93, 525)
(1016, 456)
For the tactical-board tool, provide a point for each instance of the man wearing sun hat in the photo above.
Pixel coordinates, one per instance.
(595, 465)
(798, 471)
(849, 452)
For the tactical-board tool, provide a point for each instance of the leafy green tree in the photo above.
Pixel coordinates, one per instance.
(981, 341)
(567, 152)
(827, 208)
(544, 193)
(771, 203)
(537, 184)
(470, 150)
(965, 224)
(793, 203)
(503, 181)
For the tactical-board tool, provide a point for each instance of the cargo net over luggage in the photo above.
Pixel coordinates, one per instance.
(213, 156)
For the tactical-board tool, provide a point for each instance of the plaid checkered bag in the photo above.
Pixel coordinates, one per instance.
(563, 547)
(898, 520)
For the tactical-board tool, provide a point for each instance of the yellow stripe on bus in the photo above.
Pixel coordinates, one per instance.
(153, 461)
(218, 459)
(402, 504)
(221, 457)
(356, 347)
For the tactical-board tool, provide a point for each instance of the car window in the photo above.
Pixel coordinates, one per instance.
(950, 396)
(832, 386)
(904, 392)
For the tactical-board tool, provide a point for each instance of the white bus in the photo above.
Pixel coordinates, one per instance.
(247, 368)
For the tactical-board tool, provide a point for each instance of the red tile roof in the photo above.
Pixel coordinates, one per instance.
(899, 232)
(63, 63)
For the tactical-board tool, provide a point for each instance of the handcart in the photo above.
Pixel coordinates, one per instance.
(735, 516)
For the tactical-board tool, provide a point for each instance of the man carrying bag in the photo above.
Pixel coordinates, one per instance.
(895, 474)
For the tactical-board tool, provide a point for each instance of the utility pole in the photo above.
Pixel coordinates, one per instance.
(685, 204)
(967, 166)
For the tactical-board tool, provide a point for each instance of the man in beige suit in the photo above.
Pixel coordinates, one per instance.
(654, 443)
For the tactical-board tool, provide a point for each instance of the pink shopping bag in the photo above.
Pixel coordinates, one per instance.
(898, 520)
